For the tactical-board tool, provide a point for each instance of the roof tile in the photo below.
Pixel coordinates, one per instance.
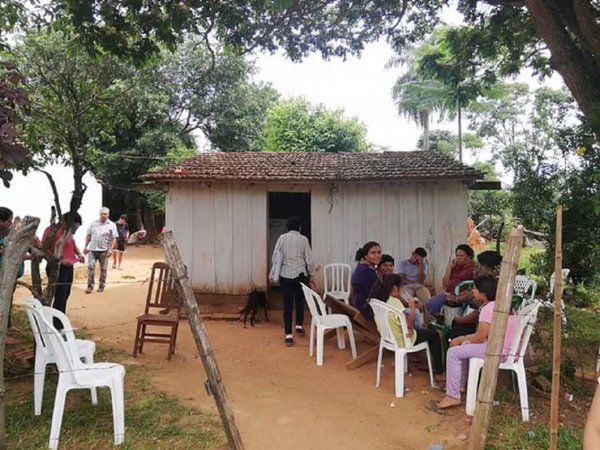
(316, 166)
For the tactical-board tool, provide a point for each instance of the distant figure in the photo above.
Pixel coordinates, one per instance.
(297, 260)
(70, 255)
(414, 272)
(365, 276)
(99, 244)
(122, 237)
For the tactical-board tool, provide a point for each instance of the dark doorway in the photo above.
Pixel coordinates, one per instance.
(281, 206)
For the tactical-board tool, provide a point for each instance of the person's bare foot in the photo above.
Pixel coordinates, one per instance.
(440, 377)
(448, 402)
(462, 390)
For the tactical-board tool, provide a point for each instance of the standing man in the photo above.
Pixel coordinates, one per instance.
(414, 272)
(123, 230)
(296, 262)
(99, 243)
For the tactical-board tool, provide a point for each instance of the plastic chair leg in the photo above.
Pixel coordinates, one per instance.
(118, 407)
(38, 383)
(405, 362)
(320, 349)
(475, 365)
(378, 370)
(340, 338)
(522, 382)
(57, 415)
(399, 373)
(312, 339)
(89, 359)
(428, 352)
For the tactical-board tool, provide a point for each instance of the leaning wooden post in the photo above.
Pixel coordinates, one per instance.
(215, 382)
(554, 398)
(489, 377)
(15, 246)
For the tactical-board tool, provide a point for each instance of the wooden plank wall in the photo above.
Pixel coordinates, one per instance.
(221, 233)
(398, 216)
(221, 229)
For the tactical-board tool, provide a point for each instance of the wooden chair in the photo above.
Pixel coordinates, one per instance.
(162, 310)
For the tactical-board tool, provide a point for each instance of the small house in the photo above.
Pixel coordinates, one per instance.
(228, 209)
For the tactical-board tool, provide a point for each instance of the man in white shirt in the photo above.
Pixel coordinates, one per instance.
(99, 243)
(296, 264)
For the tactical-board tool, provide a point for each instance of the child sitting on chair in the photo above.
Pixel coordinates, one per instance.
(388, 289)
(473, 345)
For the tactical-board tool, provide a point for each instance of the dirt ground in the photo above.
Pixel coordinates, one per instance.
(280, 397)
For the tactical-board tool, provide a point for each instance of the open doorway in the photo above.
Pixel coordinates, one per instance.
(281, 206)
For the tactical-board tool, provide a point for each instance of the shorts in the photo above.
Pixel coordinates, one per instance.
(121, 246)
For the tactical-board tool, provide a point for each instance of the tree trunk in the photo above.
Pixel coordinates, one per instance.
(150, 221)
(15, 246)
(578, 67)
(460, 137)
(426, 131)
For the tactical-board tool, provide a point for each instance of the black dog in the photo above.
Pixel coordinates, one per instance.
(256, 299)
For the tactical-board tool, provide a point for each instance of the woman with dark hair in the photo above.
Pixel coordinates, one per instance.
(364, 276)
(460, 268)
(463, 348)
(388, 290)
(488, 263)
(296, 268)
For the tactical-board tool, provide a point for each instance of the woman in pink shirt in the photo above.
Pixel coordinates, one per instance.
(473, 345)
(69, 255)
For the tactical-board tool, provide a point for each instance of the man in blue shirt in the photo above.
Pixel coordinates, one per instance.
(414, 272)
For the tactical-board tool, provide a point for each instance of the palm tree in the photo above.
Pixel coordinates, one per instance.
(418, 97)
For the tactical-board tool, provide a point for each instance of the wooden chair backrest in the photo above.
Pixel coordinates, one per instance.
(162, 292)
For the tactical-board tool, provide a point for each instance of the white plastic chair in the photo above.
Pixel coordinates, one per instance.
(382, 313)
(337, 281)
(322, 321)
(44, 354)
(525, 287)
(74, 374)
(514, 361)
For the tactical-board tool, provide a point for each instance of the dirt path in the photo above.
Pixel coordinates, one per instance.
(281, 399)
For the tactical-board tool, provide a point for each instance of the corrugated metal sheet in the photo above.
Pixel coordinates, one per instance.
(221, 228)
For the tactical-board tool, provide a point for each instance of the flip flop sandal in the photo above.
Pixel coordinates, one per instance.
(432, 406)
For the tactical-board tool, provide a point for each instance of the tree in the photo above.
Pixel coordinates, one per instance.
(73, 101)
(297, 125)
(447, 142)
(213, 93)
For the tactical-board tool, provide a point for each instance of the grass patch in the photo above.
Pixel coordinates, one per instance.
(153, 419)
(527, 256)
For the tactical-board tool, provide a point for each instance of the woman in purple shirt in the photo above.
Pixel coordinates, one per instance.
(364, 276)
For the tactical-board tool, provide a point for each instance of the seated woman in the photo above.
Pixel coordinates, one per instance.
(459, 269)
(488, 263)
(364, 276)
(473, 345)
(388, 290)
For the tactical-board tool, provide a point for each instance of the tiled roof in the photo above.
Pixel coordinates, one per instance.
(313, 166)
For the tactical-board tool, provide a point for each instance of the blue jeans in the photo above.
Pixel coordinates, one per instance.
(435, 303)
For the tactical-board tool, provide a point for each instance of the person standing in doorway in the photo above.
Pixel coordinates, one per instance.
(99, 244)
(123, 235)
(296, 268)
(69, 255)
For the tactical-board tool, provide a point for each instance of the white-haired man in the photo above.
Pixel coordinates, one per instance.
(99, 243)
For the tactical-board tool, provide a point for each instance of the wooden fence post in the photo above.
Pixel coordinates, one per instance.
(554, 397)
(215, 382)
(489, 376)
